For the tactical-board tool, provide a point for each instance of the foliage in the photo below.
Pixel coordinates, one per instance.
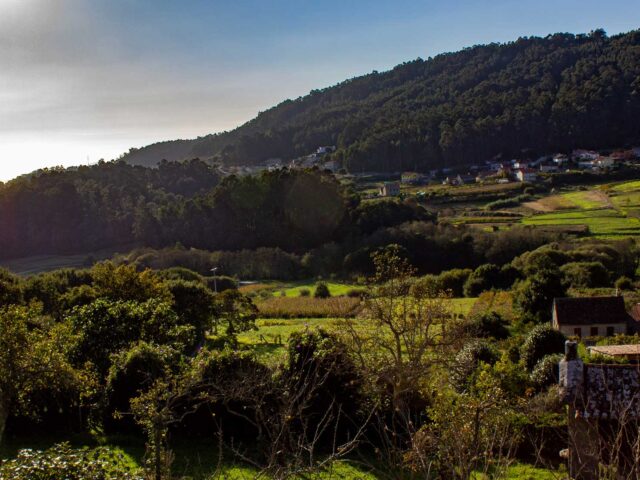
(107, 326)
(467, 361)
(34, 365)
(534, 296)
(488, 325)
(586, 274)
(541, 341)
(555, 93)
(62, 461)
(321, 291)
(624, 283)
(234, 312)
(545, 372)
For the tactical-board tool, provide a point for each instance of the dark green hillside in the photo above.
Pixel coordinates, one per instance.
(531, 95)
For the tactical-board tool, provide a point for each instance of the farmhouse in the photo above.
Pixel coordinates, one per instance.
(389, 189)
(526, 175)
(591, 316)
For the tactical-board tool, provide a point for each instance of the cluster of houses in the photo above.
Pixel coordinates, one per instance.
(525, 170)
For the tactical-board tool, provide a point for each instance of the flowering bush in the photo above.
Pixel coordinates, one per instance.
(63, 462)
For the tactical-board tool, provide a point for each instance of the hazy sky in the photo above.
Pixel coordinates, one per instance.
(87, 79)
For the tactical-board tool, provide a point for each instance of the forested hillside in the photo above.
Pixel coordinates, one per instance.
(521, 98)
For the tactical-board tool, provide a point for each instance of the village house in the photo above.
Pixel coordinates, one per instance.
(591, 316)
(605, 162)
(389, 189)
(526, 175)
(520, 164)
(584, 155)
(548, 168)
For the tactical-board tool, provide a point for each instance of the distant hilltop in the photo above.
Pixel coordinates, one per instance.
(512, 100)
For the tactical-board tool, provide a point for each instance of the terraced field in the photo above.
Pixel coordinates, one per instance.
(607, 211)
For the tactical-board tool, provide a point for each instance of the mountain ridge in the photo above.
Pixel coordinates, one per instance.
(518, 98)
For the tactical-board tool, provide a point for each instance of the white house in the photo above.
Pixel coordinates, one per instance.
(548, 168)
(389, 189)
(526, 175)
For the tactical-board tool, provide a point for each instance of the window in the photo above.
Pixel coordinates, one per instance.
(594, 331)
(577, 332)
(610, 331)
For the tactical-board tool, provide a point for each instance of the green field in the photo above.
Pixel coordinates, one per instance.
(609, 211)
(336, 289)
(269, 340)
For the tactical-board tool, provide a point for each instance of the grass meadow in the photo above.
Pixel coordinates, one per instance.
(608, 211)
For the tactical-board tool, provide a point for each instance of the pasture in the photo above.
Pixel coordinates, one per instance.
(607, 211)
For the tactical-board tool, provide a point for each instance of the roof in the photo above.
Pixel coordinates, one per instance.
(590, 310)
(616, 350)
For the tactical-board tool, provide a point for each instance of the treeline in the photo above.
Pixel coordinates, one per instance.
(112, 204)
(88, 208)
(429, 247)
(524, 97)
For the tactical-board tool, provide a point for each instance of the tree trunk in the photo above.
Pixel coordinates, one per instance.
(4, 414)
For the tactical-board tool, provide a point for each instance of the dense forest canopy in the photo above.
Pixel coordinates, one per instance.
(520, 98)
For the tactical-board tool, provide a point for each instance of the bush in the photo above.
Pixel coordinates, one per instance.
(453, 280)
(61, 461)
(131, 372)
(624, 283)
(467, 360)
(541, 341)
(322, 291)
(305, 292)
(425, 286)
(586, 274)
(485, 277)
(489, 325)
(220, 283)
(545, 372)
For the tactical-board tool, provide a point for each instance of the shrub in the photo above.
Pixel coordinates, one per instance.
(586, 274)
(534, 296)
(425, 286)
(541, 341)
(322, 291)
(453, 280)
(624, 283)
(131, 372)
(61, 461)
(489, 325)
(220, 283)
(467, 360)
(305, 292)
(485, 277)
(545, 372)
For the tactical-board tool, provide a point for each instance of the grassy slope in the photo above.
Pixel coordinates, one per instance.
(608, 210)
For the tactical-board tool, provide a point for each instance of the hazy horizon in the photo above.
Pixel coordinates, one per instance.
(86, 80)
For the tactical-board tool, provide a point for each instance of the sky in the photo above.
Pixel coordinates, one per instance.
(82, 80)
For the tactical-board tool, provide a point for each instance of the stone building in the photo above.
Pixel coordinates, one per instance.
(603, 417)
